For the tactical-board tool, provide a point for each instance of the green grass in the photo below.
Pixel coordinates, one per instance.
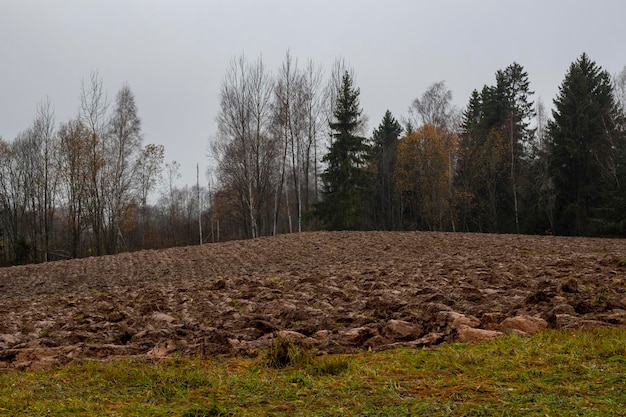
(581, 373)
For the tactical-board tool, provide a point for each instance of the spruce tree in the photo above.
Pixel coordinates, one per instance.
(345, 180)
(502, 111)
(382, 161)
(581, 147)
(519, 111)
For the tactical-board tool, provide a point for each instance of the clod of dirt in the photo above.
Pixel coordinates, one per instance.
(569, 285)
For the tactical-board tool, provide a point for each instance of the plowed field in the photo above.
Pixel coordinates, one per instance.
(339, 291)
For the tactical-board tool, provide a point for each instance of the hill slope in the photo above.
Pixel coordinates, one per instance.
(337, 291)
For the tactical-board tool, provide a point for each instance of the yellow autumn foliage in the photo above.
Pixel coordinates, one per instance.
(423, 174)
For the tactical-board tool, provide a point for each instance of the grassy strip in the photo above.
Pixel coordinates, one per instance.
(581, 373)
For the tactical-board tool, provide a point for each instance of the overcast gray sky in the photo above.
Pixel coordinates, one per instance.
(174, 54)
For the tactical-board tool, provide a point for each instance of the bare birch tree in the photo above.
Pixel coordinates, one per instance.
(246, 150)
(92, 114)
(435, 107)
(296, 121)
(45, 176)
(290, 118)
(313, 124)
(122, 149)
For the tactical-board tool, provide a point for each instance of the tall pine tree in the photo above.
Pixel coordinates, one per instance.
(345, 181)
(581, 148)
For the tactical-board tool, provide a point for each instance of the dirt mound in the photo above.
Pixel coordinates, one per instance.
(337, 292)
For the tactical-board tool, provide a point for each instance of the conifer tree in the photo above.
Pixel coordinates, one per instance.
(382, 162)
(501, 112)
(345, 180)
(513, 85)
(583, 138)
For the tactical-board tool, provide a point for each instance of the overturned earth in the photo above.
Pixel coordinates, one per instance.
(332, 291)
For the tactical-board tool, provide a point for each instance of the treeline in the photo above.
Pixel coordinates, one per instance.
(291, 154)
(81, 188)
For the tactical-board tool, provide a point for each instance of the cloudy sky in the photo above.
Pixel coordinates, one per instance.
(174, 54)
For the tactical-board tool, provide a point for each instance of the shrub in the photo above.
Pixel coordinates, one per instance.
(22, 251)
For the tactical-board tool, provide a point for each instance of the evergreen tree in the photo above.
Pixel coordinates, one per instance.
(466, 176)
(582, 145)
(383, 160)
(472, 115)
(515, 95)
(483, 169)
(491, 188)
(345, 180)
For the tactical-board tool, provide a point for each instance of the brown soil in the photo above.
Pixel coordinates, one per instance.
(339, 292)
